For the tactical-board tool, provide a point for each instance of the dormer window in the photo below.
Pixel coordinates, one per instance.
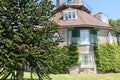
(69, 15)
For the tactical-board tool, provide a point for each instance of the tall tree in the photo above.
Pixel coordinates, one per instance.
(21, 42)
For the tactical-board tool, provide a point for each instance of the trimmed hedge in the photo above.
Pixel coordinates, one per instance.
(107, 57)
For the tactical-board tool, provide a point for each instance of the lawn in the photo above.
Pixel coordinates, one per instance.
(79, 77)
(87, 77)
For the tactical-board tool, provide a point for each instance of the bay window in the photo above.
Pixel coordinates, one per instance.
(84, 36)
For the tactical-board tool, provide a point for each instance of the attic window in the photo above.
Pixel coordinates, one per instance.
(69, 15)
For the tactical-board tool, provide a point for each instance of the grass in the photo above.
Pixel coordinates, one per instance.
(86, 77)
(79, 76)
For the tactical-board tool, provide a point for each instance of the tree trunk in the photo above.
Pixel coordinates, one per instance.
(20, 73)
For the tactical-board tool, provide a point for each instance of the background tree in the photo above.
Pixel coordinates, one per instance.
(22, 43)
(115, 23)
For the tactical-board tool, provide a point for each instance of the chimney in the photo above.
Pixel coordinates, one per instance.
(58, 3)
(78, 1)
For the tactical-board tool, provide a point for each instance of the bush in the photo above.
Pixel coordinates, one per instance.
(73, 55)
(60, 59)
(107, 57)
(64, 57)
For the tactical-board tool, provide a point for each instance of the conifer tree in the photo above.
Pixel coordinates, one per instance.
(21, 42)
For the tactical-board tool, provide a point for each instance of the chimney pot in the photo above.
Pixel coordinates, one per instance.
(58, 3)
(78, 1)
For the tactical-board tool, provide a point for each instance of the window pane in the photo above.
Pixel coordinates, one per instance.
(74, 15)
(69, 15)
(84, 37)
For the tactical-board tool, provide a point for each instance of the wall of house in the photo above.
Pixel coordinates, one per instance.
(85, 49)
(63, 36)
(102, 36)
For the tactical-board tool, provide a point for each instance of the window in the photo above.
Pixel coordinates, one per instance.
(109, 37)
(69, 15)
(84, 37)
(56, 36)
(86, 60)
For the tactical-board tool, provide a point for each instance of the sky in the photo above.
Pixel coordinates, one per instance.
(108, 7)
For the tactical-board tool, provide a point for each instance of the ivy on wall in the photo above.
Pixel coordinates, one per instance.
(73, 55)
(107, 57)
(64, 57)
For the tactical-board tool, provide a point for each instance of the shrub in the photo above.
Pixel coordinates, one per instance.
(60, 58)
(73, 55)
(64, 57)
(107, 57)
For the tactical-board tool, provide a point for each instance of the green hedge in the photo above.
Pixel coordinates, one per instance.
(73, 55)
(63, 57)
(107, 57)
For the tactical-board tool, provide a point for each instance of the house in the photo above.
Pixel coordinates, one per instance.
(77, 26)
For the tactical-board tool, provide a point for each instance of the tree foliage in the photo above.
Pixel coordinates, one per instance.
(115, 23)
(21, 42)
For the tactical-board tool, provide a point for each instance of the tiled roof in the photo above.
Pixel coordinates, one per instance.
(83, 19)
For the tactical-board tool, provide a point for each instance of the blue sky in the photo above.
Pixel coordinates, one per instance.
(109, 7)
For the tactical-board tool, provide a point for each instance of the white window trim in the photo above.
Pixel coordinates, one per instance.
(66, 12)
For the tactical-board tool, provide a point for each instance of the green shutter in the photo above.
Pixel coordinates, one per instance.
(118, 38)
(93, 36)
(75, 35)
